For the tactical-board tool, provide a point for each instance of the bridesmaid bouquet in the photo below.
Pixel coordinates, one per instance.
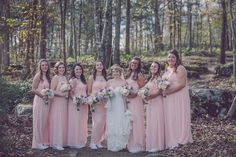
(163, 84)
(48, 93)
(126, 90)
(92, 100)
(79, 100)
(106, 93)
(143, 92)
(65, 87)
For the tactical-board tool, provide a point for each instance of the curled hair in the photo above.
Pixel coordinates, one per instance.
(178, 60)
(104, 72)
(56, 67)
(40, 70)
(136, 72)
(82, 77)
(158, 73)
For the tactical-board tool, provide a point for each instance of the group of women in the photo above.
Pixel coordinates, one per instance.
(119, 119)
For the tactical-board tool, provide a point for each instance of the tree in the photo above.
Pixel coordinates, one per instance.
(63, 10)
(43, 32)
(233, 30)
(157, 27)
(127, 28)
(189, 10)
(223, 31)
(117, 32)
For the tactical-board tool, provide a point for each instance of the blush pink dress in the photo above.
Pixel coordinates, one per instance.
(177, 113)
(99, 116)
(40, 118)
(77, 120)
(137, 136)
(154, 120)
(59, 117)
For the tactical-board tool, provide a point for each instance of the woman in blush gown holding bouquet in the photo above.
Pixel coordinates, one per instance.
(154, 112)
(59, 108)
(118, 118)
(176, 103)
(41, 106)
(96, 83)
(135, 79)
(77, 109)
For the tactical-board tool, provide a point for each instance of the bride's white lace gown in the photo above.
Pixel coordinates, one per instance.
(118, 122)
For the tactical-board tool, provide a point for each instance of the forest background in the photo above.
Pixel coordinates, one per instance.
(203, 31)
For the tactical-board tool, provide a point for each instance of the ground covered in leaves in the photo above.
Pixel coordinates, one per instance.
(212, 137)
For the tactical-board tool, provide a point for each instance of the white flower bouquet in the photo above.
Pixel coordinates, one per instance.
(65, 87)
(126, 90)
(48, 94)
(79, 100)
(163, 84)
(143, 93)
(92, 100)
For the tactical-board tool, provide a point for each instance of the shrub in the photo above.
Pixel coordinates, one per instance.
(12, 94)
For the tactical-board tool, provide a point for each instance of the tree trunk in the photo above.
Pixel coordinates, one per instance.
(127, 29)
(209, 29)
(80, 27)
(97, 24)
(108, 51)
(233, 30)
(117, 32)
(6, 34)
(63, 9)
(43, 32)
(189, 9)
(157, 28)
(223, 32)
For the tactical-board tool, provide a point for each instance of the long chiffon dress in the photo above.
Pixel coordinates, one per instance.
(58, 117)
(77, 119)
(177, 112)
(99, 115)
(154, 121)
(137, 136)
(40, 118)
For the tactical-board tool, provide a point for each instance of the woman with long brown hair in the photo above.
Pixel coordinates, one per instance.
(96, 82)
(135, 79)
(41, 106)
(176, 103)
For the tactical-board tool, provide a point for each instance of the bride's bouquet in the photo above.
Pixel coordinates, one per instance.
(79, 100)
(48, 94)
(143, 93)
(65, 87)
(126, 90)
(106, 93)
(163, 84)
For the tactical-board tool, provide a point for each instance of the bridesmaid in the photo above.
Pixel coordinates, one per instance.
(96, 82)
(77, 119)
(58, 112)
(155, 117)
(176, 103)
(40, 108)
(136, 80)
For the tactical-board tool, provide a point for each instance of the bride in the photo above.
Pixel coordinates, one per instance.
(118, 117)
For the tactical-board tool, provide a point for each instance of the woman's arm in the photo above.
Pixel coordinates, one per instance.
(35, 84)
(90, 84)
(181, 79)
(72, 83)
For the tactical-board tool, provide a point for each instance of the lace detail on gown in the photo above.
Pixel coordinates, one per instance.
(118, 122)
